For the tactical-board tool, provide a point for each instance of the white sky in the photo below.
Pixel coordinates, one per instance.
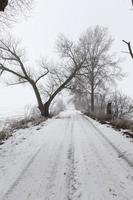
(70, 17)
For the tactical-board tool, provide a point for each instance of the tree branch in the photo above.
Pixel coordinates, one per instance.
(129, 48)
(3, 68)
(38, 79)
(17, 83)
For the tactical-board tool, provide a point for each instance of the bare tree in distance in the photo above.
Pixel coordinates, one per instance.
(81, 89)
(101, 67)
(122, 105)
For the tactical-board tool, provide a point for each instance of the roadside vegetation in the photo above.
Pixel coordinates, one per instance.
(31, 118)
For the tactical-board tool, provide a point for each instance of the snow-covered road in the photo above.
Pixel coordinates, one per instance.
(75, 161)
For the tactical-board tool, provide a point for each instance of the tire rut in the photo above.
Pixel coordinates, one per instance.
(72, 179)
(50, 187)
(52, 171)
(118, 151)
(108, 171)
(12, 187)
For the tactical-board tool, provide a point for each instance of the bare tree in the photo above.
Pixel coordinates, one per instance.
(11, 9)
(76, 62)
(122, 105)
(74, 59)
(130, 52)
(129, 44)
(102, 99)
(12, 62)
(101, 67)
(83, 97)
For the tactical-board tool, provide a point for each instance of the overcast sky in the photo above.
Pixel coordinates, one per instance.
(70, 17)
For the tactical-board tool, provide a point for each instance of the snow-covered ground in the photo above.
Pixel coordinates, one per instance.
(69, 157)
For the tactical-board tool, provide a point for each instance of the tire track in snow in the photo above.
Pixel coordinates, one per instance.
(73, 182)
(116, 186)
(71, 166)
(29, 164)
(66, 168)
(93, 167)
(73, 177)
(51, 191)
(118, 151)
(12, 187)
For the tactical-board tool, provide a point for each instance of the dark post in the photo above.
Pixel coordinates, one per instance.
(109, 110)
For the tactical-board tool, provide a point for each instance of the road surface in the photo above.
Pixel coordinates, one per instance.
(75, 162)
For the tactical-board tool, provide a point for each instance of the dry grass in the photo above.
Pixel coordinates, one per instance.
(4, 135)
(122, 124)
(16, 124)
(118, 124)
(102, 118)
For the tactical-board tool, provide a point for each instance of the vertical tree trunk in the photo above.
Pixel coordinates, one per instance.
(39, 100)
(46, 109)
(92, 99)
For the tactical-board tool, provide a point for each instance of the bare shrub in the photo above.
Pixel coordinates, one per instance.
(15, 124)
(122, 124)
(4, 135)
(101, 117)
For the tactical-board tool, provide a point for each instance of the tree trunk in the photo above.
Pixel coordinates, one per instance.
(92, 99)
(39, 100)
(46, 109)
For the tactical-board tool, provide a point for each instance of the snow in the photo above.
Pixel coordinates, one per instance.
(123, 144)
(16, 152)
(68, 113)
(69, 157)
